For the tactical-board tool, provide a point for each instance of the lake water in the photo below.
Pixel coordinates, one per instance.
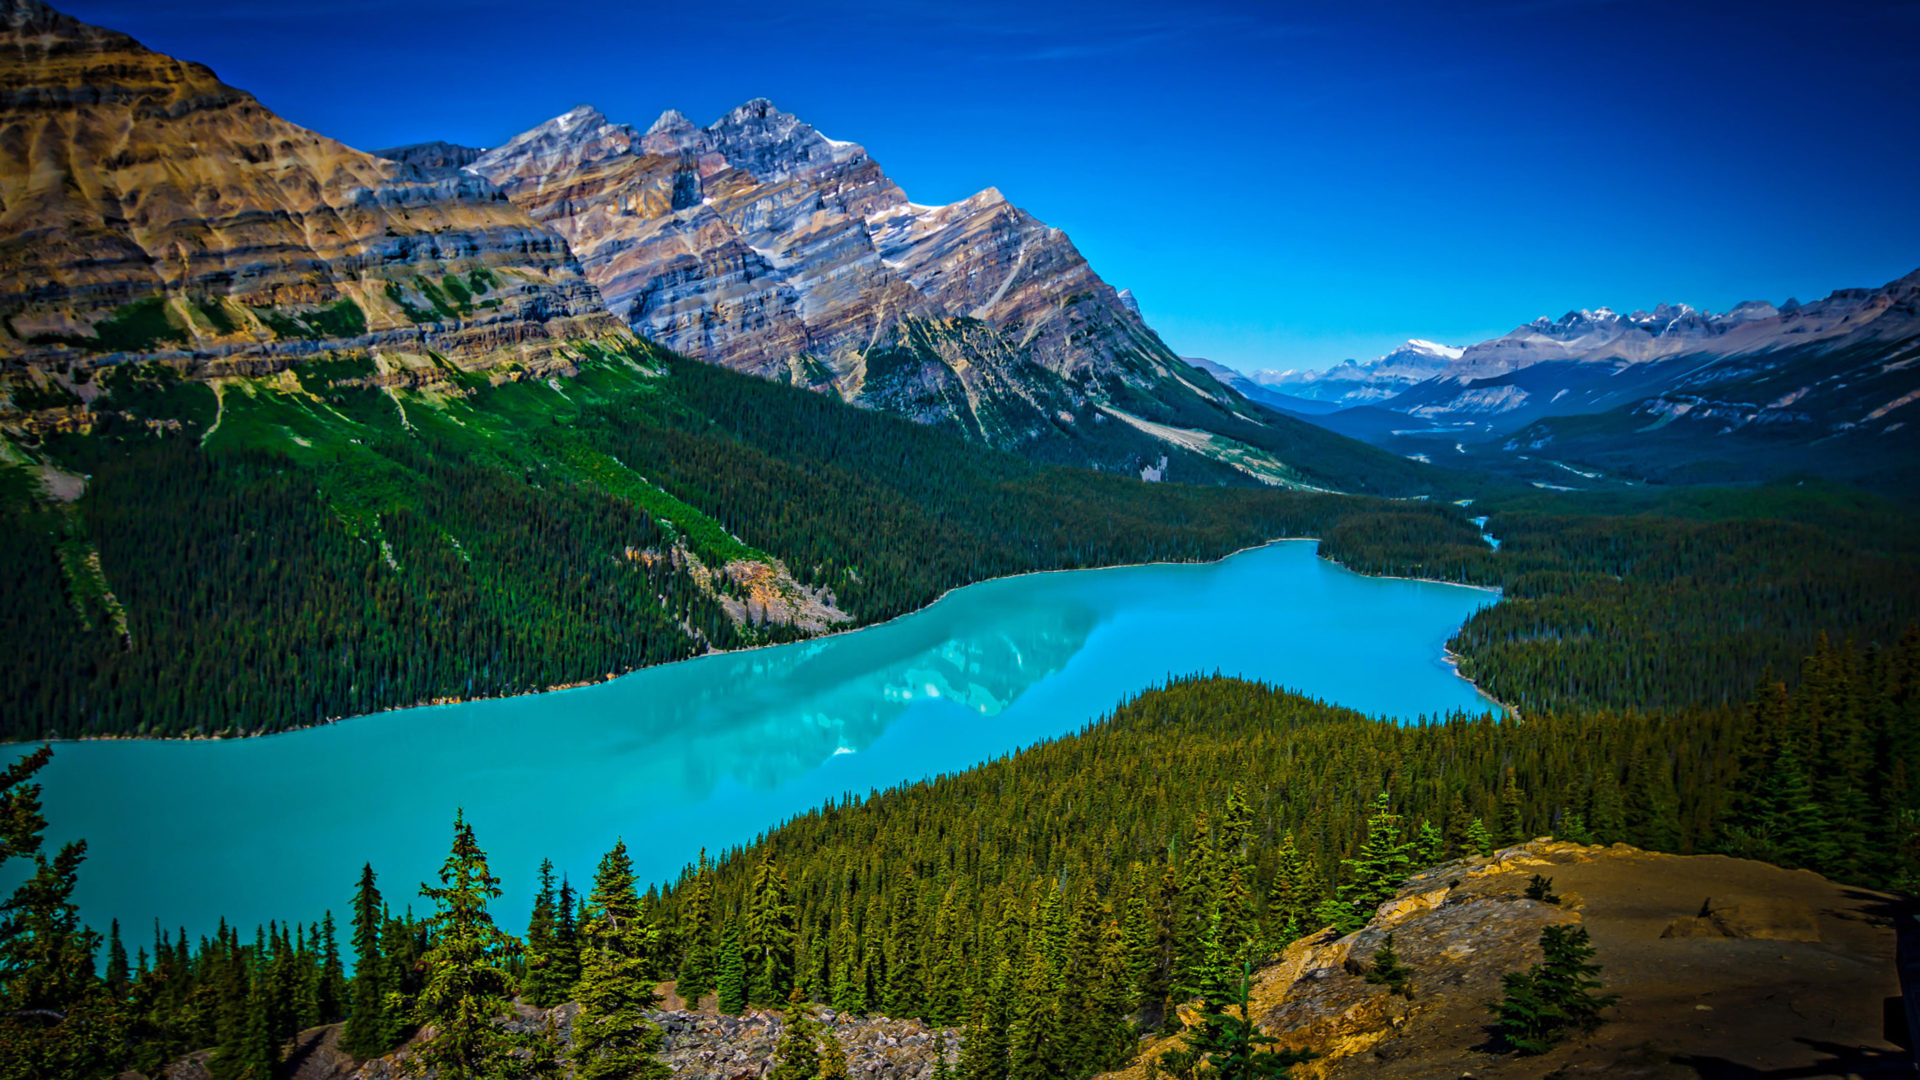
(713, 751)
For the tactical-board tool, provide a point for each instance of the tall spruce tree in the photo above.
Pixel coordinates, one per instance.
(612, 1037)
(769, 938)
(369, 1031)
(466, 991)
(697, 961)
(732, 984)
(542, 987)
(1377, 869)
(331, 996)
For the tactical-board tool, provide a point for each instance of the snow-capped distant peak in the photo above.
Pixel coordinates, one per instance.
(1434, 348)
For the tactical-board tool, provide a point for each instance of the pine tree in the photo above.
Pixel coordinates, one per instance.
(983, 1051)
(1389, 972)
(612, 1038)
(1459, 820)
(55, 1016)
(1036, 1049)
(466, 989)
(369, 1031)
(541, 986)
(905, 993)
(797, 1057)
(331, 996)
(947, 961)
(833, 1057)
(1375, 872)
(769, 938)
(566, 939)
(1229, 1044)
(1429, 847)
(1479, 840)
(1542, 1004)
(733, 974)
(696, 931)
(1512, 825)
(1296, 891)
(849, 991)
(119, 976)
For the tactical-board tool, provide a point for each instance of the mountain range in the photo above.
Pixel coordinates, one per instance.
(1672, 394)
(151, 212)
(761, 244)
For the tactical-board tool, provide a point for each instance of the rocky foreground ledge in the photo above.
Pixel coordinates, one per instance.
(1727, 969)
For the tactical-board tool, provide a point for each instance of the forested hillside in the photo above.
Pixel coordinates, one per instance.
(1051, 901)
(256, 554)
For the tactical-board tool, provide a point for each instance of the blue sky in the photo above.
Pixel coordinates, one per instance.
(1282, 185)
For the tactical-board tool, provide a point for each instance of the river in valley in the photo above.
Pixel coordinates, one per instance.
(711, 751)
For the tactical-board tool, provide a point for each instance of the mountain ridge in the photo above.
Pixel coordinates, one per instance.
(151, 209)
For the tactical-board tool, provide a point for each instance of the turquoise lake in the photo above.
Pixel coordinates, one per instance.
(712, 751)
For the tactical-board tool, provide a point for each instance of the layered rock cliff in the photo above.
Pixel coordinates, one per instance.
(147, 208)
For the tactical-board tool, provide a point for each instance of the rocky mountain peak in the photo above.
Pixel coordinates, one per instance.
(36, 17)
(673, 121)
(581, 134)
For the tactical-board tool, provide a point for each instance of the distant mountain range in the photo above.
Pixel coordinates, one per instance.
(761, 244)
(1672, 394)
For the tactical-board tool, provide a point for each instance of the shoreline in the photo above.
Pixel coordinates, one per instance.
(1449, 657)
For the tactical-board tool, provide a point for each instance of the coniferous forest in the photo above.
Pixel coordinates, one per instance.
(1054, 903)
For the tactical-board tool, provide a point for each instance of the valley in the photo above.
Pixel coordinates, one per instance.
(849, 639)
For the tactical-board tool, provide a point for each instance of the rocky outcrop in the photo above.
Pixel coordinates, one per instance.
(759, 243)
(1770, 972)
(147, 208)
(706, 1045)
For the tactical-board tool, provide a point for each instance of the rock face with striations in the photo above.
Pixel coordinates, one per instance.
(759, 243)
(148, 208)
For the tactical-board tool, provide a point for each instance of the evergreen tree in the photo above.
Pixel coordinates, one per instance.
(1229, 1045)
(56, 1017)
(905, 993)
(119, 976)
(369, 1031)
(612, 1038)
(466, 989)
(733, 973)
(331, 996)
(849, 991)
(1479, 840)
(1429, 847)
(1542, 1004)
(769, 938)
(696, 973)
(1512, 824)
(566, 939)
(1388, 971)
(833, 1057)
(1296, 891)
(1375, 872)
(797, 1057)
(541, 987)
(983, 1052)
